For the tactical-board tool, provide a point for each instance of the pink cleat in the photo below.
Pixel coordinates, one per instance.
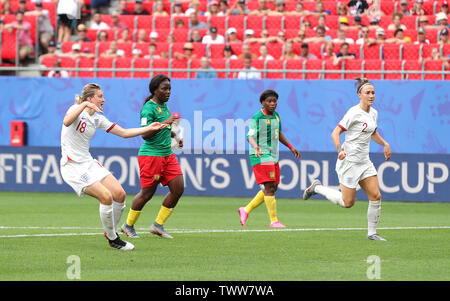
(277, 224)
(243, 215)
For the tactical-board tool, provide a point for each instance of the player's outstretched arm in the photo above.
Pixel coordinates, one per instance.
(74, 112)
(287, 144)
(336, 136)
(378, 139)
(133, 132)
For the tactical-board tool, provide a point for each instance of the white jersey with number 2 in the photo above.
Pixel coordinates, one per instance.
(76, 138)
(359, 126)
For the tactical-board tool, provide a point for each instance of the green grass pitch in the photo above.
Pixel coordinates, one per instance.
(39, 231)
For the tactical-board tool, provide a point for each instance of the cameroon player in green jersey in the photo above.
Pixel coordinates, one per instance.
(264, 133)
(157, 162)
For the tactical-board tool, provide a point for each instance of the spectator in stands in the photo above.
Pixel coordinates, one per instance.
(153, 37)
(81, 34)
(423, 22)
(404, 8)
(247, 51)
(194, 23)
(44, 25)
(136, 53)
(280, 9)
(342, 37)
(139, 8)
(179, 24)
(100, 6)
(152, 52)
(344, 54)
(379, 36)
(123, 7)
(417, 9)
(374, 24)
(305, 54)
(444, 8)
(436, 55)
(102, 36)
(159, 9)
(223, 8)
(321, 22)
(178, 10)
(213, 8)
(320, 9)
(24, 40)
(232, 35)
(124, 36)
(171, 38)
(58, 73)
(77, 53)
(68, 11)
(396, 22)
(357, 22)
(249, 72)
(421, 37)
(52, 51)
(204, 62)
(194, 8)
(113, 51)
(306, 25)
(342, 9)
(400, 38)
(213, 37)
(249, 35)
(115, 21)
(228, 53)
(320, 36)
(6, 8)
(441, 21)
(329, 51)
(365, 39)
(97, 22)
(358, 7)
(239, 8)
(300, 10)
(288, 52)
(22, 6)
(264, 53)
(343, 23)
(196, 36)
(188, 52)
(443, 36)
(263, 9)
(142, 36)
(301, 35)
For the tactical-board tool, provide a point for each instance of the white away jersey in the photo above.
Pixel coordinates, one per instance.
(76, 138)
(359, 127)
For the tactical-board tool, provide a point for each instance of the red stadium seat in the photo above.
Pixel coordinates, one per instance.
(236, 21)
(129, 21)
(103, 62)
(235, 64)
(194, 64)
(292, 22)
(185, 20)
(9, 45)
(260, 65)
(144, 22)
(219, 64)
(181, 34)
(215, 51)
(275, 65)
(330, 66)
(254, 22)
(373, 65)
(102, 47)
(275, 50)
(415, 67)
(127, 47)
(391, 51)
(219, 22)
(123, 63)
(332, 22)
(142, 67)
(48, 62)
(273, 22)
(67, 62)
(162, 63)
(371, 52)
(387, 7)
(296, 65)
(314, 65)
(179, 64)
(426, 49)
(350, 65)
(410, 52)
(84, 62)
(434, 65)
(393, 69)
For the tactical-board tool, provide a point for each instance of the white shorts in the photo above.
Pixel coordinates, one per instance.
(81, 175)
(350, 173)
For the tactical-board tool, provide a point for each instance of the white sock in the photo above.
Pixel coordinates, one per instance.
(107, 218)
(118, 209)
(333, 195)
(373, 216)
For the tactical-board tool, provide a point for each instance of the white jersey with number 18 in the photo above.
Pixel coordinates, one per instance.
(76, 138)
(359, 126)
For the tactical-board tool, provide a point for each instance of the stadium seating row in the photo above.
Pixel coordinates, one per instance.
(380, 51)
(287, 69)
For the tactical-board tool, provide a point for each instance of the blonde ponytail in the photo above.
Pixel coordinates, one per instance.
(89, 90)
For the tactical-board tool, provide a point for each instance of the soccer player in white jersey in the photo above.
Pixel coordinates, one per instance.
(85, 174)
(353, 165)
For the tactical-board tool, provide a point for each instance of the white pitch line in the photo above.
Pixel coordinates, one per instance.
(187, 231)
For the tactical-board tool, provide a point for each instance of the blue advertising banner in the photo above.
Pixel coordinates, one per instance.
(406, 177)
